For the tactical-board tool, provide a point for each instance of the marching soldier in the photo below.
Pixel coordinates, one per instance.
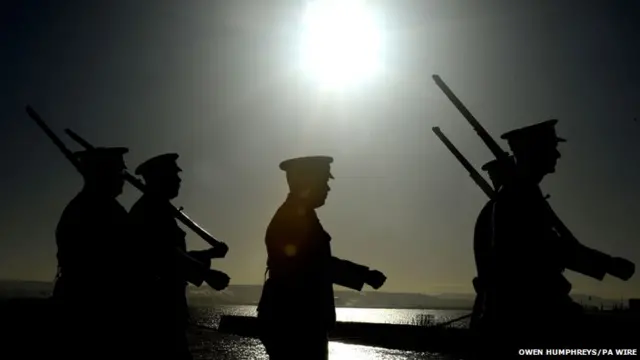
(97, 268)
(154, 223)
(524, 244)
(297, 309)
(482, 242)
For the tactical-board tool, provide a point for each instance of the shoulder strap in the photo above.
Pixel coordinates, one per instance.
(492, 242)
(266, 271)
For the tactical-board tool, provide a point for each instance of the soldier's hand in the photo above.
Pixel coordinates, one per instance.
(622, 268)
(217, 279)
(219, 251)
(375, 279)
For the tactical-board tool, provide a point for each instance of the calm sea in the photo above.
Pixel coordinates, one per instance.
(230, 347)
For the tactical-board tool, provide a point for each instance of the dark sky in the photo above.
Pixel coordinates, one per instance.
(213, 81)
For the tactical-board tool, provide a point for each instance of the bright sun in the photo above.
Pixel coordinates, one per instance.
(340, 42)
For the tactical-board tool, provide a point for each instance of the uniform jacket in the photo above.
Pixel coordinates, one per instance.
(302, 269)
(96, 259)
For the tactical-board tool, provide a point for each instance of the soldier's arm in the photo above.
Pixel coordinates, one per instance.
(94, 236)
(202, 256)
(348, 274)
(524, 215)
(161, 256)
(75, 242)
(191, 269)
(586, 261)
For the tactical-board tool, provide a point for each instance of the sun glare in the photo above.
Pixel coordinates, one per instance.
(340, 42)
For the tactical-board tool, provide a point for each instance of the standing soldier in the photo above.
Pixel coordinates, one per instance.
(158, 230)
(97, 269)
(297, 308)
(527, 256)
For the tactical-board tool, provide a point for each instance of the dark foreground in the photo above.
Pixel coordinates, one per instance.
(604, 331)
(24, 333)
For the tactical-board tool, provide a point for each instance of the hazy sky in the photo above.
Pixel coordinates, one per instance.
(217, 82)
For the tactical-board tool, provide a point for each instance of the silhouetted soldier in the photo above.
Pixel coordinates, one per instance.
(154, 223)
(95, 286)
(297, 308)
(482, 241)
(526, 290)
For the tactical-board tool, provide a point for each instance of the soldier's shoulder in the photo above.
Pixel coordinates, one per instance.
(79, 204)
(515, 190)
(137, 206)
(144, 205)
(486, 208)
(286, 218)
(516, 198)
(85, 209)
(290, 212)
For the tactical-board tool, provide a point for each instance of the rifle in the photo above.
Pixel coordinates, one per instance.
(475, 175)
(56, 140)
(69, 155)
(475, 124)
(177, 213)
(582, 262)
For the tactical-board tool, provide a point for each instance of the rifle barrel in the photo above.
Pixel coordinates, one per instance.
(475, 175)
(55, 139)
(475, 124)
